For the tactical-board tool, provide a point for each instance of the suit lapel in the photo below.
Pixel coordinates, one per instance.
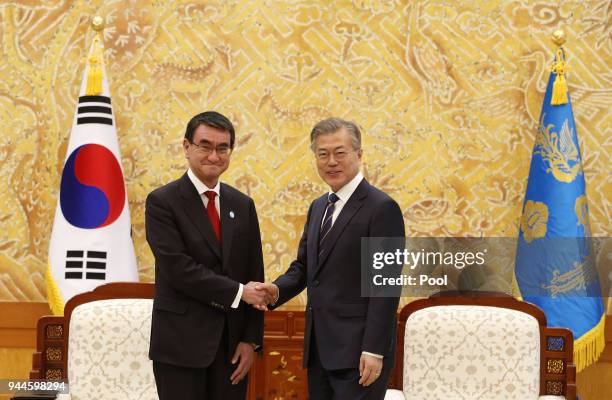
(227, 216)
(354, 203)
(314, 228)
(194, 208)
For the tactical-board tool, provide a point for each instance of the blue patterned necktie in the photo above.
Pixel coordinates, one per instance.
(327, 222)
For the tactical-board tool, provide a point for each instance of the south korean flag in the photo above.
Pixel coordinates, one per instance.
(90, 242)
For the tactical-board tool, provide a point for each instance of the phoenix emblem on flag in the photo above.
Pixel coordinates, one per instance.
(558, 150)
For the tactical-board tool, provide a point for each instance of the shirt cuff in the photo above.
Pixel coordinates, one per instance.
(372, 354)
(238, 296)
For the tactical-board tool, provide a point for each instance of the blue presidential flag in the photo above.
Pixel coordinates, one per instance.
(554, 263)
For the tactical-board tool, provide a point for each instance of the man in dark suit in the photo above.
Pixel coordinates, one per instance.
(206, 241)
(349, 343)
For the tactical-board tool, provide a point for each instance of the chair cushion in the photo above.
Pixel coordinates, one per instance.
(471, 352)
(108, 350)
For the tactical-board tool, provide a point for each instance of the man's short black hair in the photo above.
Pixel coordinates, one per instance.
(212, 119)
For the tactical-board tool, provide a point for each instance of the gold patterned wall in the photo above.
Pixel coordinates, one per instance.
(448, 94)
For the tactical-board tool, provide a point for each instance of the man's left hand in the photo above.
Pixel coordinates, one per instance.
(244, 357)
(370, 368)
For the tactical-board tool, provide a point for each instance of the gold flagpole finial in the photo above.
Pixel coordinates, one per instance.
(97, 23)
(94, 61)
(559, 68)
(558, 37)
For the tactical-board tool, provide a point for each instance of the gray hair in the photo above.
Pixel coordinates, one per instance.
(333, 125)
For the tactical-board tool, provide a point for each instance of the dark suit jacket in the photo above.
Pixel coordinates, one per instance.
(345, 323)
(196, 278)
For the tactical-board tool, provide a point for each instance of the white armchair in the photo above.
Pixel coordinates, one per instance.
(100, 345)
(108, 345)
(494, 348)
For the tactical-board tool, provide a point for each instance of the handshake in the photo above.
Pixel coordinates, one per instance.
(260, 295)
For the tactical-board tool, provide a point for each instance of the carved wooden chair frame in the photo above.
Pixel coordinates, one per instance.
(50, 359)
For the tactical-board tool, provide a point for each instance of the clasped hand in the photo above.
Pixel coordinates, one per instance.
(259, 294)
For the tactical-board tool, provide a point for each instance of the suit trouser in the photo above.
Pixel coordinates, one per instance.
(210, 383)
(341, 384)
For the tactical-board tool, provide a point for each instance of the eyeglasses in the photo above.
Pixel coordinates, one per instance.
(205, 149)
(339, 154)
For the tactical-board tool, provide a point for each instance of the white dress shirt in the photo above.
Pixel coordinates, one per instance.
(202, 188)
(344, 194)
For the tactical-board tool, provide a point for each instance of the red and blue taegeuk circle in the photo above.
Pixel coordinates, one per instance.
(92, 193)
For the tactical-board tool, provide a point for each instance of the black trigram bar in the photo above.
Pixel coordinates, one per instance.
(74, 264)
(95, 109)
(96, 265)
(94, 99)
(94, 120)
(90, 107)
(95, 275)
(74, 275)
(96, 254)
(74, 253)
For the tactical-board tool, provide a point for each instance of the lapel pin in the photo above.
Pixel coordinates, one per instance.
(231, 214)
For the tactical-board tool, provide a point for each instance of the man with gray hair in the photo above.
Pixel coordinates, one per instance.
(349, 342)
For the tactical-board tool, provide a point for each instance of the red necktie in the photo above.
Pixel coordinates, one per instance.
(213, 215)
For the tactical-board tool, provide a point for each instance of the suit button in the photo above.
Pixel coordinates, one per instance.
(310, 309)
(315, 283)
